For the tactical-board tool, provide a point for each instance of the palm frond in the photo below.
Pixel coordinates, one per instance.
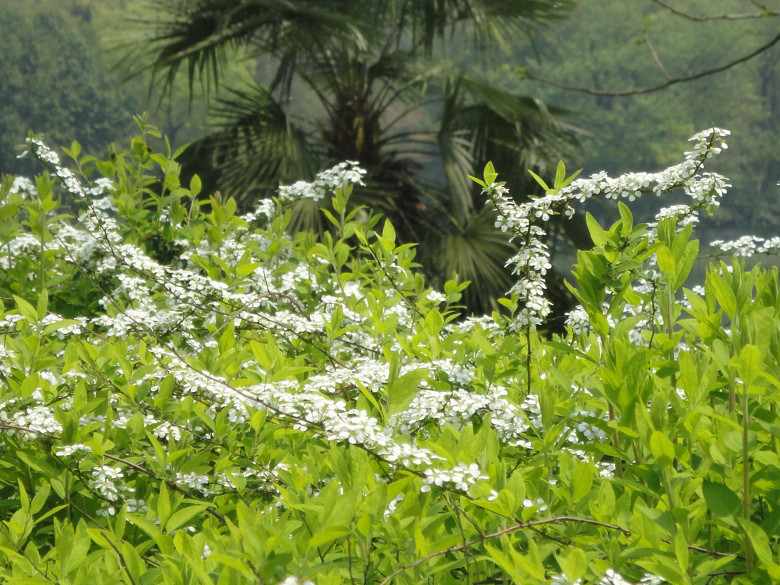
(475, 251)
(201, 34)
(425, 21)
(513, 131)
(257, 146)
(456, 149)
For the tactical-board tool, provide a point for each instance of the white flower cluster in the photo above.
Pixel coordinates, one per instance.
(148, 297)
(747, 246)
(151, 297)
(485, 322)
(295, 581)
(327, 182)
(435, 296)
(23, 186)
(393, 504)
(265, 207)
(510, 421)
(32, 421)
(194, 481)
(108, 482)
(461, 476)
(612, 577)
(577, 319)
(7, 357)
(68, 450)
(312, 411)
(532, 262)
(24, 246)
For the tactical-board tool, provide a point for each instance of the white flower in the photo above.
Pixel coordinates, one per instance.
(435, 297)
(67, 450)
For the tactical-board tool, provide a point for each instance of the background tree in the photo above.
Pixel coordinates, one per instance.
(58, 78)
(387, 94)
(57, 85)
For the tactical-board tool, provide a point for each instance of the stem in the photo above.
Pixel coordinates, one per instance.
(746, 474)
(616, 443)
(670, 326)
(668, 488)
(528, 359)
(41, 268)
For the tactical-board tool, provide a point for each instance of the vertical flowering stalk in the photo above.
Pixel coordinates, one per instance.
(533, 259)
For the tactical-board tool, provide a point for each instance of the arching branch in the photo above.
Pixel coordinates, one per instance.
(650, 89)
(765, 13)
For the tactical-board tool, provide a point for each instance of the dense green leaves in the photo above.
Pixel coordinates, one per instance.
(227, 403)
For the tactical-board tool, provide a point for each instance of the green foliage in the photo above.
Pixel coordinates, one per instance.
(193, 396)
(371, 82)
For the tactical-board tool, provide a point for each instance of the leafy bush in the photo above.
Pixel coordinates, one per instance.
(191, 396)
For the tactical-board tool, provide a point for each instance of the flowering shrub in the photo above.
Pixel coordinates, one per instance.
(192, 396)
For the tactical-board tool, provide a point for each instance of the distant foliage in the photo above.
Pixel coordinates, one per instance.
(188, 395)
(53, 78)
(745, 99)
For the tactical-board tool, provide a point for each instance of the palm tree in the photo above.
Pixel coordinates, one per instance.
(387, 96)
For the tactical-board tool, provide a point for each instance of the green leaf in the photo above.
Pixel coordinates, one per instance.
(720, 499)
(581, 481)
(749, 365)
(163, 505)
(479, 182)
(388, 233)
(560, 174)
(627, 217)
(759, 540)
(597, 234)
(26, 309)
(504, 562)
(40, 498)
(52, 327)
(181, 517)
(569, 349)
(43, 304)
(326, 536)
(233, 563)
(725, 295)
(662, 448)
(489, 173)
(539, 180)
(570, 178)
(575, 565)
(666, 261)
(681, 549)
(24, 499)
(195, 185)
(403, 389)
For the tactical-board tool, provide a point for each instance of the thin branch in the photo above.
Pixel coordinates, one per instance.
(765, 13)
(656, 58)
(508, 530)
(650, 89)
(529, 525)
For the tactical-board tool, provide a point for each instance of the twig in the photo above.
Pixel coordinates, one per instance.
(655, 57)
(652, 88)
(530, 525)
(508, 530)
(766, 13)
